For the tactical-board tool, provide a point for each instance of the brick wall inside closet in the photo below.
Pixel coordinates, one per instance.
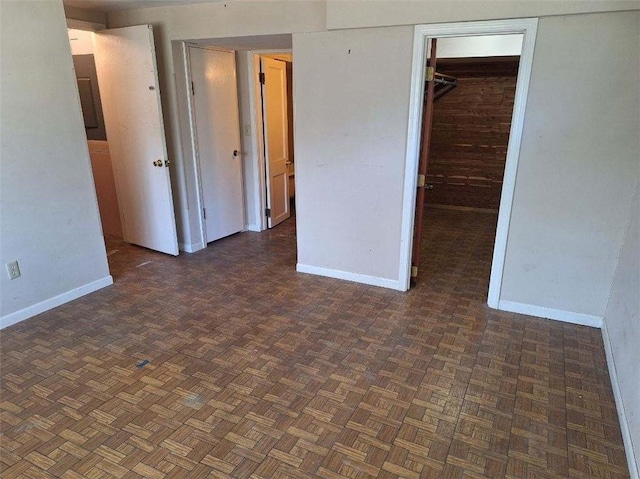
(470, 133)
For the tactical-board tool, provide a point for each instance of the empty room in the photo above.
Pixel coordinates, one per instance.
(454, 293)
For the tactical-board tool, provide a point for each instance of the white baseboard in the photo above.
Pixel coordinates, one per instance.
(191, 248)
(355, 277)
(549, 313)
(255, 228)
(51, 303)
(622, 415)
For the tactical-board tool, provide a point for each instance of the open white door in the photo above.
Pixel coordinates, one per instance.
(128, 78)
(215, 104)
(274, 107)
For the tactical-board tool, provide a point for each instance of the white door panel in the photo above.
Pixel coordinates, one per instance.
(128, 78)
(215, 101)
(276, 139)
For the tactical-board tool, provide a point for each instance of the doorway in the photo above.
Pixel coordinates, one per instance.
(119, 93)
(417, 184)
(264, 125)
(275, 113)
(474, 92)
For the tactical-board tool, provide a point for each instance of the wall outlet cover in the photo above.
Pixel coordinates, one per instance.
(13, 270)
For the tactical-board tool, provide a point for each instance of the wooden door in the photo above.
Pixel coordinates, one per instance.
(427, 119)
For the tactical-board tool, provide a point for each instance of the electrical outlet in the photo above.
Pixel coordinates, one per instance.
(13, 270)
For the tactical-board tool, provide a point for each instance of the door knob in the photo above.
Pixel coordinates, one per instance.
(235, 152)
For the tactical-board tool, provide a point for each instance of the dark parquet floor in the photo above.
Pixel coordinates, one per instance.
(227, 363)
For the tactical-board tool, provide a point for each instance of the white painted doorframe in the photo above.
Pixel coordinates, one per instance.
(422, 34)
(193, 137)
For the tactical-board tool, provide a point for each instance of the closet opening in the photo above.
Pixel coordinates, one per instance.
(467, 111)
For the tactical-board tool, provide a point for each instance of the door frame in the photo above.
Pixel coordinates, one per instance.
(422, 34)
(257, 136)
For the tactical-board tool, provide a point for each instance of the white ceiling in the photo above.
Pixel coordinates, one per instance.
(115, 5)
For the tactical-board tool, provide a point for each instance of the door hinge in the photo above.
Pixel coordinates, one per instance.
(204, 213)
(267, 211)
(261, 77)
(193, 89)
(431, 73)
(421, 181)
(414, 271)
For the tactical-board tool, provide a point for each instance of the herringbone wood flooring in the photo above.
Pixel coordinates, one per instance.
(256, 371)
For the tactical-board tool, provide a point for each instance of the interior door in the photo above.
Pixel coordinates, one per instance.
(128, 78)
(215, 103)
(427, 120)
(276, 139)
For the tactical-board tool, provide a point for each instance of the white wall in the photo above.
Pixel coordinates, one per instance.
(49, 220)
(622, 335)
(578, 163)
(351, 96)
(81, 41)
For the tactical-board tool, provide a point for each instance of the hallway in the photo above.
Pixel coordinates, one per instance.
(227, 363)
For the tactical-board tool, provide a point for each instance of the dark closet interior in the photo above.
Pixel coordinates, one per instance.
(470, 131)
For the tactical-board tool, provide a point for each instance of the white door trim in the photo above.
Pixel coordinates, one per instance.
(257, 139)
(422, 33)
(194, 144)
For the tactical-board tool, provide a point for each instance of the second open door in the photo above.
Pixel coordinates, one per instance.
(276, 139)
